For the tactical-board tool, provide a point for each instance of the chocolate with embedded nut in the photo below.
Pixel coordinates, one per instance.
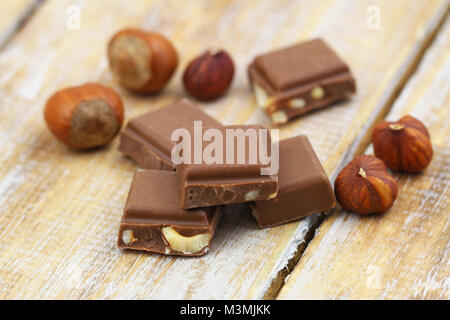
(147, 138)
(153, 220)
(230, 179)
(298, 79)
(304, 187)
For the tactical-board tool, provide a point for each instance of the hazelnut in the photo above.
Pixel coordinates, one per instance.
(251, 195)
(142, 61)
(262, 98)
(208, 76)
(84, 117)
(272, 195)
(403, 145)
(187, 245)
(364, 186)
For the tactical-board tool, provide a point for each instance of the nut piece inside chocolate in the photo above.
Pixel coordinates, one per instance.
(317, 93)
(279, 117)
(128, 237)
(187, 245)
(297, 103)
(272, 195)
(261, 97)
(299, 79)
(252, 195)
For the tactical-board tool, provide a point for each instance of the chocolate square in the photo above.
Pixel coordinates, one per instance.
(304, 187)
(154, 221)
(298, 79)
(146, 138)
(202, 185)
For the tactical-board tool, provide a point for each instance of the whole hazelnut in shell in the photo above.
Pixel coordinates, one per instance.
(85, 116)
(209, 76)
(142, 61)
(403, 145)
(364, 186)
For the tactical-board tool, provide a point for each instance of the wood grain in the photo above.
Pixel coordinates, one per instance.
(13, 14)
(60, 210)
(405, 252)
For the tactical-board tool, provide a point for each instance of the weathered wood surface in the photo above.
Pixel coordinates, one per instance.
(60, 210)
(12, 15)
(405, 252)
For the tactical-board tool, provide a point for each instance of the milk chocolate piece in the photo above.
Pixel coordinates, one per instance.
(203, 185)
(153, 220)
(293, 81)
(146, 138)
(304, 187)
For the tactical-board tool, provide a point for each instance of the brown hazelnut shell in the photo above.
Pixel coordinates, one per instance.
(209, 75)
(85, 116)
(403, 145)
(364, 186)
(162, 60)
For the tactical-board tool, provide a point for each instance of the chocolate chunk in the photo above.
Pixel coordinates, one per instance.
(146, 138)
(299, 79)
(153, 220)
(220, 182)
(304, 187)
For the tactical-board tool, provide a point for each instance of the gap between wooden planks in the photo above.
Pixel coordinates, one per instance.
(61, 209)
(404, 253)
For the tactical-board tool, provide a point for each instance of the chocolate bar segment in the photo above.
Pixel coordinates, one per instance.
(203, 185)
(293, 81)
(146, 138)
(153, 220)
(304, 187)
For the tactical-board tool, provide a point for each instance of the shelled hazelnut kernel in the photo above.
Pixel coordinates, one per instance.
(180, 243)
(142, 61)
(85, 116)
(365, 186)
(279, 117)
(209, 76)
(317, 93)
(403, 145)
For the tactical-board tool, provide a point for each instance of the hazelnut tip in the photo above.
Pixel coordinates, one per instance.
(396, 126)
(362, 173)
